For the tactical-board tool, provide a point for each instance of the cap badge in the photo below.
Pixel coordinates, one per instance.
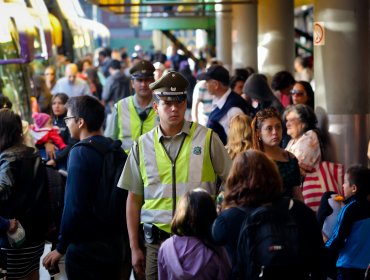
(143, 71)
(173, 89)
(197, 150)
(173, 75)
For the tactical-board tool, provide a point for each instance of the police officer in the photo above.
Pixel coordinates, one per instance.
(174, 157)
(134, 115)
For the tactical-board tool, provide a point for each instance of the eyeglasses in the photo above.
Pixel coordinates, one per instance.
(297, 92)
(68, 118)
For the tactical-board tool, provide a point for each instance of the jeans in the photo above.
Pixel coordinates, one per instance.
(94, 260)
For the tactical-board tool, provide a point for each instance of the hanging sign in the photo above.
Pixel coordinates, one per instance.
(319, 33)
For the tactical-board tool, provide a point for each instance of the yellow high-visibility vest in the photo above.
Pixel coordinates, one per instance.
(129, 123)
(191, 169)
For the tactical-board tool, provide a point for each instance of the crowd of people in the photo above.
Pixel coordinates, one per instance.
(204, 151)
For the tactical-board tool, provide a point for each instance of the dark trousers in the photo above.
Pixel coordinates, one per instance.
(94, 260)
(350, 273)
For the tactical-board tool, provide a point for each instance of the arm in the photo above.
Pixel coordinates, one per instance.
(106, 95)
(131, 180)
(6, 177)
(221, 160)
(4, 224)
(134, 203)
(111, 129)
(342, 229)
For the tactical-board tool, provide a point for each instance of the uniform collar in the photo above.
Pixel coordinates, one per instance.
(185, 129)
(137, 106)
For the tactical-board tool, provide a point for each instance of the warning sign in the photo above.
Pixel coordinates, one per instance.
(318, 33)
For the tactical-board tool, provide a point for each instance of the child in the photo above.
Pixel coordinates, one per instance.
(44, 132)
(189, 253)
(350, 238)
(14, 230)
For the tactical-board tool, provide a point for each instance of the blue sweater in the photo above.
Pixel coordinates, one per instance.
(233, 100)
(351, 235)
(79, 223)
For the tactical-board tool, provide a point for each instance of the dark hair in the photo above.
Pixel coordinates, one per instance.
(92, 75)
(310, 94)
(257, 122)
(195, 215)
(241, 72)
(306, 115)
(115, 64)
(40, 87)
(282, 80)
(236, 79)
(87, 108)
(5, 102)
(10, 129)
(303, 61)
(247, 186)
(62, 96)
(359, 175)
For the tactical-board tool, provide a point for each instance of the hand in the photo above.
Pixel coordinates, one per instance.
(138, 262)
(13, 225)
(51, 163)
(50, 150)
(51, 259)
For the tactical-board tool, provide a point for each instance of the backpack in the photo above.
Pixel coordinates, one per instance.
(269, 243)
(56, 189)
(110, 208)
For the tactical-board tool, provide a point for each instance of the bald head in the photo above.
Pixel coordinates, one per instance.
(71, 72)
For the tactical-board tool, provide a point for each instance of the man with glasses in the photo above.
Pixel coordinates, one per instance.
(172, 158)
(134, 115)
(93, 250)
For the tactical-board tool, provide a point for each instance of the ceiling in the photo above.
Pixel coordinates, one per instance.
(186, 7)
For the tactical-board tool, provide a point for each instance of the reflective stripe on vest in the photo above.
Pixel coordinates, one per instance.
(193, 170)
(130, 126)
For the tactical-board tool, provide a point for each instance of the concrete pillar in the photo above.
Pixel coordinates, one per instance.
(223, 34)
(275, 36)
(341, 69)
(244, 35)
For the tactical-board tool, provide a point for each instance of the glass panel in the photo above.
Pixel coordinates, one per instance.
(9, 38)
(14, 83)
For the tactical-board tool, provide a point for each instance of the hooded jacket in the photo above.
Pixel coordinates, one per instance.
(185, 257)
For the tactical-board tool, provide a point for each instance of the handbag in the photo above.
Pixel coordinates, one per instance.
(327, 176)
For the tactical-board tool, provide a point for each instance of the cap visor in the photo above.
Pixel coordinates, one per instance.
(204, 76)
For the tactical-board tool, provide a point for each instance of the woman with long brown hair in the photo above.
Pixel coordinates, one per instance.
(24, 197)
(254, 181)
(267, 135)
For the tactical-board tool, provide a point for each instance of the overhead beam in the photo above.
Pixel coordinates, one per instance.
(238, 2)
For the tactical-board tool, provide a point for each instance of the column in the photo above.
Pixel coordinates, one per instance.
(341, 68)
(223, 34)
(275, 36)
(244, 35)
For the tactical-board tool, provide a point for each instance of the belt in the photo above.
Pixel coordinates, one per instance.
(154, 235)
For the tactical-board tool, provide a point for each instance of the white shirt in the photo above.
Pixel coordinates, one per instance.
(233, 111)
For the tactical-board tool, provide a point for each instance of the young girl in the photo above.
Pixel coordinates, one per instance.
(44, 132)
(267, 131)
(190, 253)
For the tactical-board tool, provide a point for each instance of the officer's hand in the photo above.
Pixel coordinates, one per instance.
(138, 262)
